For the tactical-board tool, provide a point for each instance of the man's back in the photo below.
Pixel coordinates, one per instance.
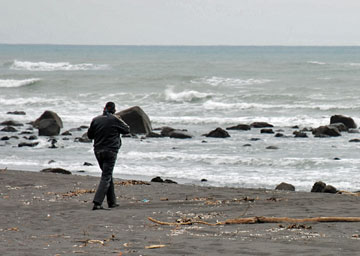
(105, 130)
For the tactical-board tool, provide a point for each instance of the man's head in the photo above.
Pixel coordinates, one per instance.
(110, 107)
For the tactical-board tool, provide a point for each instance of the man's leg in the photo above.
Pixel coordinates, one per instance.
(108, 159)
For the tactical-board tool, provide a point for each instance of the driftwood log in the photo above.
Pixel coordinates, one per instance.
(262, 219)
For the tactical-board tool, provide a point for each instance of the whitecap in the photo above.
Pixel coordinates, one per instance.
(11, 83)
(55, 66)
(186, 96)
(222, 81)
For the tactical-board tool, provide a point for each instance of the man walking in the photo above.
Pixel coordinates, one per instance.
(105, 130)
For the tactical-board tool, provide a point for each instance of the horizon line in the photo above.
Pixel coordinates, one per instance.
(176, 45)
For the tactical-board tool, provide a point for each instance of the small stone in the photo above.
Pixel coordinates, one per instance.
(87, 164)
(272, 147)
(9, 129)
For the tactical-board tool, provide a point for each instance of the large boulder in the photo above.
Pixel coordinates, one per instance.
(49, 124)
(137, 119)
(325, 131)
(347, 121)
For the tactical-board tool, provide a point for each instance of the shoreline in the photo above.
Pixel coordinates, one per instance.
(46, 213)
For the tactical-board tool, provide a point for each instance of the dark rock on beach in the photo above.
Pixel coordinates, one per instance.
(347, 121)
(153, 135)
(299, 134)
(66, 133)
(330, 189)
(16, 113)
(218, 133)
(11, 123)
(326, 131)
(179, 134)
(87, 164)
(340, 126)
(49, 124)
(243, 127)
(157, 179)
(318, 186)
(267, 130)
(272, 147)
(354, 140)
(260, 125)
(9, 129)
(285, 186)
(56, 170)
(83, 139)
(137, 119)
(28, 144)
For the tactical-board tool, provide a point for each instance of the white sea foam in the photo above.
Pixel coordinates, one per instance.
(316, 62)
(222, 81)
(55, 66)
(186, 96)
(12, 83)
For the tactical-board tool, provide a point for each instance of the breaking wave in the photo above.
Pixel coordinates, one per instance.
(12, 83)
(55, 66)
(186, 96)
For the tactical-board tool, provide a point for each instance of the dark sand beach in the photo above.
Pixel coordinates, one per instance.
(50, 214)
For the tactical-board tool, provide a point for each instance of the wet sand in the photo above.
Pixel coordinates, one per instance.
(50, 214)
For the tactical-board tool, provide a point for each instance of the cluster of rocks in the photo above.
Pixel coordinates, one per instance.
(318, 187)
(50, 124)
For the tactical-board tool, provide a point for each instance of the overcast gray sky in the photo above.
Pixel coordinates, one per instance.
(181, 22)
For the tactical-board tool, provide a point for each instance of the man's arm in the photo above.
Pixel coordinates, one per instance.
(123, 127)
(91, 131)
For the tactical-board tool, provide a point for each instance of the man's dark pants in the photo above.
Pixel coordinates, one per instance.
(106, 160)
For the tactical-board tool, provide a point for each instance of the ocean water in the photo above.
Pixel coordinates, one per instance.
(193, 88)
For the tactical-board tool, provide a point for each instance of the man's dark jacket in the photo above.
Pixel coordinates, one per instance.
(106, 130)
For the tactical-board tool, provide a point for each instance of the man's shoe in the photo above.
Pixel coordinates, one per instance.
(113, 205)
(98, 207)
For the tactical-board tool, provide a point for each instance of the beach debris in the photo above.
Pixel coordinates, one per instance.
(155, 246)
(261, 219)
(145, 200)
(91, 241)
(349, 193)
(78, 192)
(131, 183)
(164, 199)
(13, 229)
(298, 226)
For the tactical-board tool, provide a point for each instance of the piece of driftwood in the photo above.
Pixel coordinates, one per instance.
(262, 219)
